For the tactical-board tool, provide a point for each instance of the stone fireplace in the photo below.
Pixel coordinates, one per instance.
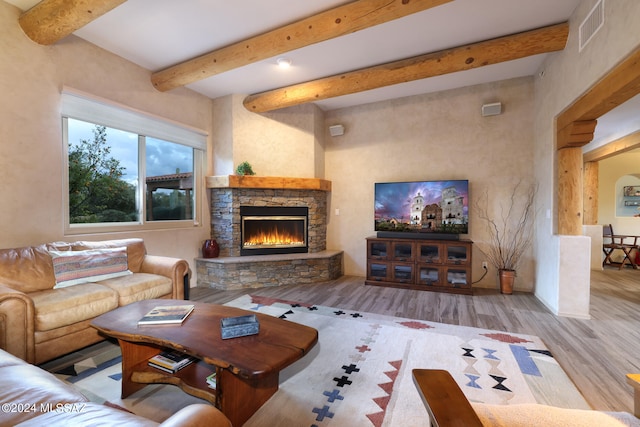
(240, 204)
(226, 218)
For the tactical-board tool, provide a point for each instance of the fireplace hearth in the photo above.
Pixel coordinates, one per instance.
(268, 230)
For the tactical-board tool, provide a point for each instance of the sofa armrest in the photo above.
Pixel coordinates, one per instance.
(17, 319)
(445, 402)
(174, 268)
(197, 415)
(634, 381)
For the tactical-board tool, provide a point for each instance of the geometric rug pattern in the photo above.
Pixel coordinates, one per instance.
(359, 373)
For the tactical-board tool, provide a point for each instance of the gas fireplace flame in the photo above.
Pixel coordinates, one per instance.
(273, 238)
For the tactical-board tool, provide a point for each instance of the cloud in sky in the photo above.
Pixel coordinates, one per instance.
(165, 158)
(162, 157)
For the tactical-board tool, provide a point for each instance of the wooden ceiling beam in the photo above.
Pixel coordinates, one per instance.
(502, 49)
(578, 133)
(51, 20)
(324, 26)
(617, 87)
(619, 146)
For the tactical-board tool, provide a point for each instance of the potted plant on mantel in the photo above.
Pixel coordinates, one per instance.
(244, 169)
(510, 231)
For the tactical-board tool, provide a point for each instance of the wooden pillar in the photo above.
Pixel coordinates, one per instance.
(570, 191)
(575, 126)
(590, 186)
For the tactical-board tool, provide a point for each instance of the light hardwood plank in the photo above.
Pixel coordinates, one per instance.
(596, 353)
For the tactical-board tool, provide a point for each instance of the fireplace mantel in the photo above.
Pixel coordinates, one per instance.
(268, 182)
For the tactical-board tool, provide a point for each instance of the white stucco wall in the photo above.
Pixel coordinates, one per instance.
(562, 79)
(31, 150)
(429, 137)
(285, 142)
(594, 233)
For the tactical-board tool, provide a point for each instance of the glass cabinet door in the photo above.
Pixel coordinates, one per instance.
(456, 254)
(428, 275)
(456, 277)
(429, 253)
(402, 251)
(378, 271)
(378, 250)
(402, 273)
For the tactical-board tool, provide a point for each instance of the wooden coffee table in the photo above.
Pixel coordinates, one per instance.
(247, 368)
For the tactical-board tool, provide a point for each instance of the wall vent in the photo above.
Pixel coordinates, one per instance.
(592, 24)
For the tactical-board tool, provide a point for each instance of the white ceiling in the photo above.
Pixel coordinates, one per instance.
(156, 34)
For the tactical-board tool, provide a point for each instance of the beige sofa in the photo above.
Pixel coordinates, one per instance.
(31, 396)
(50, 293)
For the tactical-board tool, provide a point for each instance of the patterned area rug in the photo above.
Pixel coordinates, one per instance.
(359, 374)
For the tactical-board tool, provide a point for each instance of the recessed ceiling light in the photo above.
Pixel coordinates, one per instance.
(284, 63)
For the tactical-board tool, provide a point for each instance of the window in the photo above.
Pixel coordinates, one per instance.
(169, 180)
(102, 174)
(127, 170)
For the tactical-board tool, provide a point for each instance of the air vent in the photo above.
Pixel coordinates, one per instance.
(592, 24)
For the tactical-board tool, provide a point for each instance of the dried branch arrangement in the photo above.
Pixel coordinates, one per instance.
(511, 229)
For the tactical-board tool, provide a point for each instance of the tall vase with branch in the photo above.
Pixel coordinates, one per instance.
(510, 231)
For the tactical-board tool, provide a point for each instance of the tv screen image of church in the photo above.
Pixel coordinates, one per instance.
(422, 206)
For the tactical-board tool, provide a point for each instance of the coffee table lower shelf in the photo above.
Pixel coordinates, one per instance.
(136, 373)
(236, 397)
(191, 379)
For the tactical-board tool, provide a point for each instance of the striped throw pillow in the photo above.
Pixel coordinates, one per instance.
(74, 267)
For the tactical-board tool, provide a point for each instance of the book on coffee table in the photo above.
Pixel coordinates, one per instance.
(171, 361)
(167, 314)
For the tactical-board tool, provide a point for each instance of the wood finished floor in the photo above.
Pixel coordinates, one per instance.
(596, 353)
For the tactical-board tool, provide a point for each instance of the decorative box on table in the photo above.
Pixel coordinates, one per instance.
(240, 326)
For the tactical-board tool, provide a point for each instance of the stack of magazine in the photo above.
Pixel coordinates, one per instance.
(211, 381)
(171, 361)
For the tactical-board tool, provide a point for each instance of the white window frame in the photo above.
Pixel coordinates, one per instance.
(82, 106)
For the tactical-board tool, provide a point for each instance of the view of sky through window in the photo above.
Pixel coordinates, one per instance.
(167, 177)
(163, 158)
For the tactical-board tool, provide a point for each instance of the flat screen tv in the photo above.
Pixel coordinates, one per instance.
(439, 207)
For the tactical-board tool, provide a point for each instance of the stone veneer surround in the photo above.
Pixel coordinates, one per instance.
(232, 271)
(225, 213)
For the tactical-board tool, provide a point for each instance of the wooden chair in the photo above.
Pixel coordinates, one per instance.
(447, 406)
(617, 242)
